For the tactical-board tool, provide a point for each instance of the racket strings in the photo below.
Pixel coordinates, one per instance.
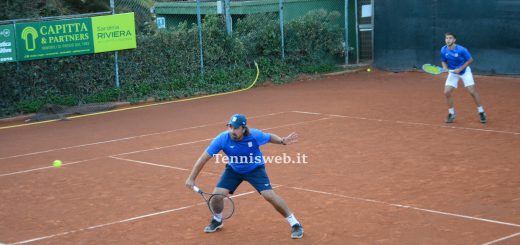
(221, 205)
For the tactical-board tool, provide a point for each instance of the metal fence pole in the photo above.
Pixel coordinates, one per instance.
(346, 33)
(16, 47)
(199, 26)
(357, 30)
(373, 31)
(280, 10)
(229, 21)
(116, 62)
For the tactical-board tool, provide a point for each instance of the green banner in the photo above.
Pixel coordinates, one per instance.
(7, 44)
(50, 39)
(114, 32)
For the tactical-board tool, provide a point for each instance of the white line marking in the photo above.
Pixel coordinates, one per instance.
(149, 163)
(129, 138)
(409, 207)
(102, 225)
(36, 169)
(501, 239)
(299, 123)
(411, 123)
(162, 147)
(168, 146)
(307, 112)
(159, 165)
(125, 220)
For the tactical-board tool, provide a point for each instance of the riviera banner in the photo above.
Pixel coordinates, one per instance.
(50, 39)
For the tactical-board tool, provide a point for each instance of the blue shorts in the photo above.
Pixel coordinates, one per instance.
(230, 179)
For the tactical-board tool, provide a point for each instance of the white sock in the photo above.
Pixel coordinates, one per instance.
(292, 220)
(217, 217)
(451, 110)
(480, 109)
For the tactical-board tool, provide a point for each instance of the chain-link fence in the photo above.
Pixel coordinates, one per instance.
(296, 31)
(191, 48)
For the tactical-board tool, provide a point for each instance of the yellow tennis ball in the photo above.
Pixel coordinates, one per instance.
(56, 163)
(369, 70)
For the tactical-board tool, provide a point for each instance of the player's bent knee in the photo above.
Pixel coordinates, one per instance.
(448, 90)
(471, 89)
(268, 195)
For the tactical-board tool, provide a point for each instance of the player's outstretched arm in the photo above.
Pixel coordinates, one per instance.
(287, 140)
(190, 181)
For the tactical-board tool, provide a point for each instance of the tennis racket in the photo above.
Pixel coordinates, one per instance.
(218, 204)
(433, 69)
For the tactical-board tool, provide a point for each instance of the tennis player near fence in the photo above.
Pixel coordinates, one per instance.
(457, 58)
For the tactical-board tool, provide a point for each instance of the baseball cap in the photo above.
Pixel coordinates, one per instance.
(237, 120)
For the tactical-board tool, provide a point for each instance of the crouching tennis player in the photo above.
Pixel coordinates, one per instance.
(239, 140)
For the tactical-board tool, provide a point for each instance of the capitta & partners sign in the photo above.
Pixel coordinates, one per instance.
(50, 39)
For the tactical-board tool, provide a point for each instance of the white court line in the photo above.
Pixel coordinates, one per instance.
(501, 239)
(163, 147)
(410, 123)
(131, 137)
(149, 163)
(159, 165)
(102, 225)
(36, 169)
(124, 221)
(410, 207)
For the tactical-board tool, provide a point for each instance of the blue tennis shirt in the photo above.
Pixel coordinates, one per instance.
(244, 155)
(455, 58)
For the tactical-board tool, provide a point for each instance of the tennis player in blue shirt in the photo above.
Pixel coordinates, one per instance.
(457, 59)
(239, 140)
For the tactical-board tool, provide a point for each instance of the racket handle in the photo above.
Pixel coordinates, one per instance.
(196, 189)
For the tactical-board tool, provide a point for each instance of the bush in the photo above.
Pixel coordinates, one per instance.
(166, 65)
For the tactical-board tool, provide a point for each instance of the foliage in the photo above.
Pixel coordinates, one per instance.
(166, 64)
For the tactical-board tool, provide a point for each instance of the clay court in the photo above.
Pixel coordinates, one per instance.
(383, 168)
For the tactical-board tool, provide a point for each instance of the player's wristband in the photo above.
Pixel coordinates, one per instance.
(283, 141)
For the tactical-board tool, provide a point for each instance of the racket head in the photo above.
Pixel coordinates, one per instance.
(432, 69)
(221, 204)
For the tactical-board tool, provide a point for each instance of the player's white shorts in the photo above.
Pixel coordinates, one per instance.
(467, 78)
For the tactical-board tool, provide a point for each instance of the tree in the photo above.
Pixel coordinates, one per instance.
(23, 9)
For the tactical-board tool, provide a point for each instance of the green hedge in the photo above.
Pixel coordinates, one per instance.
(166, 65)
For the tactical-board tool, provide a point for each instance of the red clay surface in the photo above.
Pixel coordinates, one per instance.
(382, 168)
